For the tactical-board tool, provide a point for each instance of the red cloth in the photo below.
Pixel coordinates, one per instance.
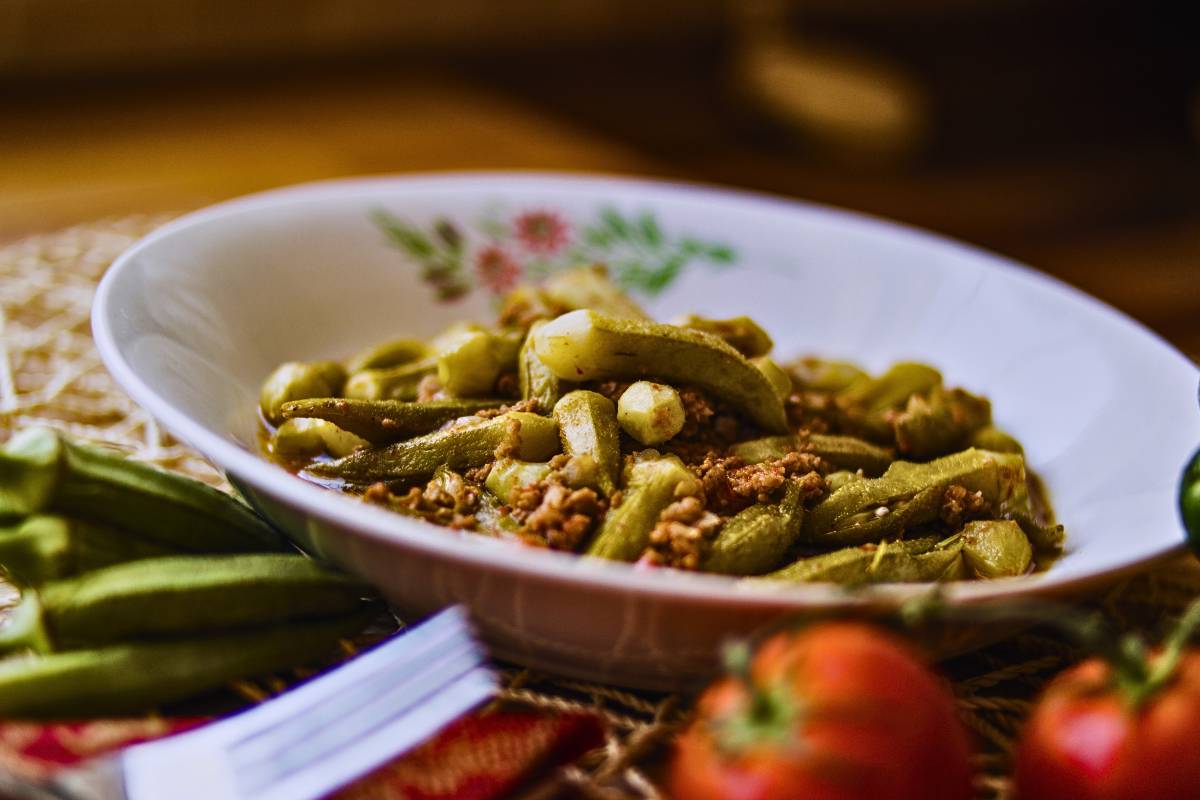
(479, 757)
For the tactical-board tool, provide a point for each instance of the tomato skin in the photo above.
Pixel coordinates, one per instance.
(873, 722)
(1082, 741)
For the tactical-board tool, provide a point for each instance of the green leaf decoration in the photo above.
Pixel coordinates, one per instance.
(448, 232)
(403, 235)
(648, 227)
(615, 223)
(597, 237)
(720, 254)
(690, 247)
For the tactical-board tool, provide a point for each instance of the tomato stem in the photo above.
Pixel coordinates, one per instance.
(770, 714)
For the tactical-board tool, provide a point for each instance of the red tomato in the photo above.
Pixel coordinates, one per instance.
(838, 711)
(1085, 741)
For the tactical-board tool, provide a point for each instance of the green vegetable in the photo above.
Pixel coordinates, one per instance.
(179, 595)
(586, 345)
(650, 412)
(532, 438)
(996, 548)
(651, 482)
(136, 677)
(742, 333)
(758, 538)
(508, 474)
(587, 426)
(297, 380)
(940, 423)
(382, 421)
(1189, 501)
(44, 547)
(303, 436)
(467, 365)
(887, 562)
(590, 288)
(893, 388)
(392, 383)
(989, 437)
(780, 381)
(821, 375)
(389, 354)
(537, 382)
(846, 452)
(43, 471)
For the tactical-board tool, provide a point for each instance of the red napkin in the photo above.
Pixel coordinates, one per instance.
(479, 757)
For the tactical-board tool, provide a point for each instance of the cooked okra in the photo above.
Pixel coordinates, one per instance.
(533, 430)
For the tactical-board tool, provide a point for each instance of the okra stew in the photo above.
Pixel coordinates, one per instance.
(577, 423)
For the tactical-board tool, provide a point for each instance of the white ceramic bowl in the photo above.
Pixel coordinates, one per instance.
(192, 318)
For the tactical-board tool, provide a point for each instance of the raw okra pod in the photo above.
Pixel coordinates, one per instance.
(43, 471)
(296, 380)
(526, 436)
(45, 547)
(651, 482)
(587, 426)
(179, 596)
(536, 380)
(586, 345)
(996, 548)
(758, 538)
(137, 677)
(383, 421)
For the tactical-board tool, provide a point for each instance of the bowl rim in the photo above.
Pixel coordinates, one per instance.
(570, 569)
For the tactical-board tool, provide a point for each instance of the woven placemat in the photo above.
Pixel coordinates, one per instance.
(50, 373)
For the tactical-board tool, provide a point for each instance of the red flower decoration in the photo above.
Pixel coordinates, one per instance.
(542, 231)
(496, 269)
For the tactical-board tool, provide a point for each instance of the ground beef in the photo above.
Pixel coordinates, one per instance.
(508, 385)
(959, 505)
(815, 412)
(682, 536)
(731, 485)
(556, 514)
(430, 388)
(447, 500)
(510, 445)
(521, 405)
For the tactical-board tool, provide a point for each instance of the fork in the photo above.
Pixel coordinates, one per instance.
(314, 739)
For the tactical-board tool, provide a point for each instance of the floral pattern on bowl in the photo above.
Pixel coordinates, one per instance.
(500, 249)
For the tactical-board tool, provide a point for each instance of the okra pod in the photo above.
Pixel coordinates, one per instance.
(383, 421)
(526, 436)
(388, 354)
(650, 412)
(742, 333)
(45, 547)
(298, 437)
(468, 365)
(845, 452)
(893, 388)
(590, 287)
(822, 375)
(886, 562)
(758, 538)
(508, 474)
(940, 423)
(996, 548)
(43, 471)
(780, 381)
(535, 379)
(651, 482)
(586, 345)
(296, 380)
(587, 426)
(989, 437)
(391, 383)
(859, 511)
(138, 677)
(179, 596)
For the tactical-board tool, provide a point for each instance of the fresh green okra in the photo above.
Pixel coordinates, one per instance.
(298, 437)
(389, 354)
(45, 547)
(586, 345)
(651, 483)
(758, 538)
(887, 562)
(822, 375)
(587, 426)
(846, 452)
(996, 548)
(650, 412)
(838, 479)
(910, 494)
(536, 380)
(468, 364)
(297, 380)
(989, 437)
(590, 287)
(178, 596)
(137, 677)
(940, 423)
(527, 436)
(43, 471)
(383, 421)
(780, 381)
(743, 333)
(509, 474)
(893, 388)
(390, 383)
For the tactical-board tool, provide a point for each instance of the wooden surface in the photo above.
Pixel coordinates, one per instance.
(1121, 221)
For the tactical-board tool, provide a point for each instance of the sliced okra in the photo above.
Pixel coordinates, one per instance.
(586, 345)
(996, 548)
(509, 474)
(297, 380)
(939, 423)
(298, 437)
(587, 426)
(756, 539)
(650, 412)
(651, 483)
(525, 436)
(536, 380)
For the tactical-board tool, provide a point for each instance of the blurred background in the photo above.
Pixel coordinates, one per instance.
(1064, 133)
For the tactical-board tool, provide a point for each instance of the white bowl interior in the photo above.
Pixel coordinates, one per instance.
(194, 317)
